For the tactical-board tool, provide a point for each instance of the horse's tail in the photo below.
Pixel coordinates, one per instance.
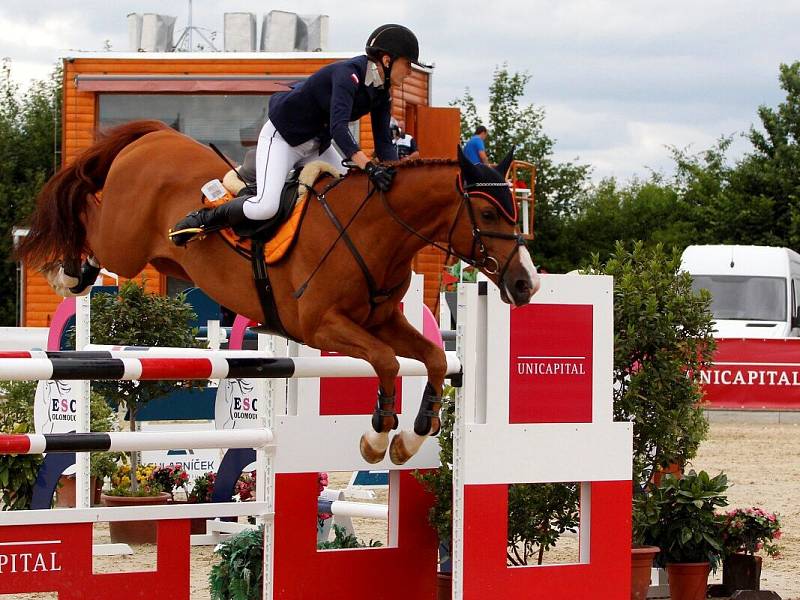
(57, 230)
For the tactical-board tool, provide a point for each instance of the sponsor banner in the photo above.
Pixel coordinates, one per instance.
(239, 403)
(551, 364)
(754, 374)
(194, 462)
(55, 409)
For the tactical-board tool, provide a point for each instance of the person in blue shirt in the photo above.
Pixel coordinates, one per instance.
(304, 120)
(474, 149)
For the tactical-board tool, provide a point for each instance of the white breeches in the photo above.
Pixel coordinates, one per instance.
(274, 159)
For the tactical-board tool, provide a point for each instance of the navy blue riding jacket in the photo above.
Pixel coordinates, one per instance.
(323, 105)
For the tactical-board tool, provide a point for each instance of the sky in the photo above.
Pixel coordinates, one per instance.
(620, 81)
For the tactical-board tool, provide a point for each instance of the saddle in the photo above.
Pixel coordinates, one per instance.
(278, 234)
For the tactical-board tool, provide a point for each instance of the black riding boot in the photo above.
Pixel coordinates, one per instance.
(206, 220)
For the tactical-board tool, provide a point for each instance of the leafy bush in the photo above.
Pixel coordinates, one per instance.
(688, 528)
(239, 573)
(17, 472)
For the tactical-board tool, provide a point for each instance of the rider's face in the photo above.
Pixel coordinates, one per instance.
(400, 69)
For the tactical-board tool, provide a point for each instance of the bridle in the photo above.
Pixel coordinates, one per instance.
(485, 261)
(479, 256)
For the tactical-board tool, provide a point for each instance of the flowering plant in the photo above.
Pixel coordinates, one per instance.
(121, 481)
(170, 477)
(750, 530)
(322, 483)
(203, 488)
(246, 486)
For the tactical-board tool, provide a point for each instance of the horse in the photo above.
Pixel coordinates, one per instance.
(114, 204)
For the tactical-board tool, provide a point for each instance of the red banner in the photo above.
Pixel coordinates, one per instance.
(551, 364)
(754, 374)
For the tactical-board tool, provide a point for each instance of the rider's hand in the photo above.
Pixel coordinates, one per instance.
(380, 176)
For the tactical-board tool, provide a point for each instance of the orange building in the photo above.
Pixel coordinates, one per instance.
(221, 98)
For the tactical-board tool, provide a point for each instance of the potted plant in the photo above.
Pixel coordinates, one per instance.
(203, 488)
(128, 490)
(646, 515)
(662, 340)
(170, 478)
(101, 464)
(688, 530)
(745, 532)
(135, 317)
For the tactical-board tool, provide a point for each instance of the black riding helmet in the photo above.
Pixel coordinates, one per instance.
(396, 41)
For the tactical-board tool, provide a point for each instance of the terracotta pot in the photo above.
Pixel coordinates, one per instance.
(688, 581)
(65, 492)
(444, 586)
(741, 572)
(674, 469)
(641, 565)
(134, 532)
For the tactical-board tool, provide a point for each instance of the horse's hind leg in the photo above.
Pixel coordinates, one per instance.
(408, 342)
(339, 334)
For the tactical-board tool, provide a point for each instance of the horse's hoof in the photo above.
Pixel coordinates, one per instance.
(368, 453)
(398, 453)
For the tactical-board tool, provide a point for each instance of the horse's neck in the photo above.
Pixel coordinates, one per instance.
(427, 200)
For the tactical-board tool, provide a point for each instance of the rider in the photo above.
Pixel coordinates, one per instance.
(303, 121)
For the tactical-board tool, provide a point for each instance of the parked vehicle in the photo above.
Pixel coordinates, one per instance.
(755, 289)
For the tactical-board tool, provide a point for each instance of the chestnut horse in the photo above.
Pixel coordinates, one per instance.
(150, 177)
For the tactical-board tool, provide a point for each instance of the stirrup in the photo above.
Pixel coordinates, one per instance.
(194, 233)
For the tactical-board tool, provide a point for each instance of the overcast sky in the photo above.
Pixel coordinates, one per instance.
(619, 79)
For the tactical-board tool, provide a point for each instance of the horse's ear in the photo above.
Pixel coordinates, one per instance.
(468, 170)
(504, 165)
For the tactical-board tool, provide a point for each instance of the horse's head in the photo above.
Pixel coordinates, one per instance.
(485, 231)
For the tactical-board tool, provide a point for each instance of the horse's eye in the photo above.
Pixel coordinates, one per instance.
(488, 215)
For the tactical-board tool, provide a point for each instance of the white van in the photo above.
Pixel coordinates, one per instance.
(755, 290)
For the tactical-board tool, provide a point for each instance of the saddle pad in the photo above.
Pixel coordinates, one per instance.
(280, 243)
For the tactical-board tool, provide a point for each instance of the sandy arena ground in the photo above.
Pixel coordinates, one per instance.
(763, 467)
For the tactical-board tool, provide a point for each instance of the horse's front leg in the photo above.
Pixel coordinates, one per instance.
(406, 341)
(340, 334)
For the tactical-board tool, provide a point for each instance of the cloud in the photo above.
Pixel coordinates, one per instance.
(619, 79)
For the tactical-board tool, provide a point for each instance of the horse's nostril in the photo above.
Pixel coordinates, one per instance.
(522, 286)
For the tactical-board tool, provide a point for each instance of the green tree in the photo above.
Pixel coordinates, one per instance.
(513, 124)
(134, 317)
(30, 139)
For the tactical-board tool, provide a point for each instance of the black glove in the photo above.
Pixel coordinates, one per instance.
(380, 176)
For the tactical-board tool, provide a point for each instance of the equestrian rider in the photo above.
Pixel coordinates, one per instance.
(303, 121)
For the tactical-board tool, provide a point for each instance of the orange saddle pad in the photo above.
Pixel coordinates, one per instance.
(281, 242)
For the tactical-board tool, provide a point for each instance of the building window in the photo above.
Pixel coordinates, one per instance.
(231, 122)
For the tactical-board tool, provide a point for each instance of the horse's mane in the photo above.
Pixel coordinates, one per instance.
(423, 162)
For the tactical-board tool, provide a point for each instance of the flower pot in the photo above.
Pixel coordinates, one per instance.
(741, 572)
(674, 469)
(688, 581)
(134, 532)
(65, 492)
(444, 586)
(641, 565)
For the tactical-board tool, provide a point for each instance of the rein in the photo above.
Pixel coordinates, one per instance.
(486, 262)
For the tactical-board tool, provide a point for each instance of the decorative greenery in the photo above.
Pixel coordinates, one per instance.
(750, 530)
(17, 472)
(146, 484)
(439, 482)
(135, 317)
(688, 528)
(538, 514)
(169, 478)
(344, 540)
(662, 339)
(102, 418)
(239, 573)
(203, 488)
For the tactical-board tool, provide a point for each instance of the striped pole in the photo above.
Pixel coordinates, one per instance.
(210, 365)
(361, 510)
(130, 441)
